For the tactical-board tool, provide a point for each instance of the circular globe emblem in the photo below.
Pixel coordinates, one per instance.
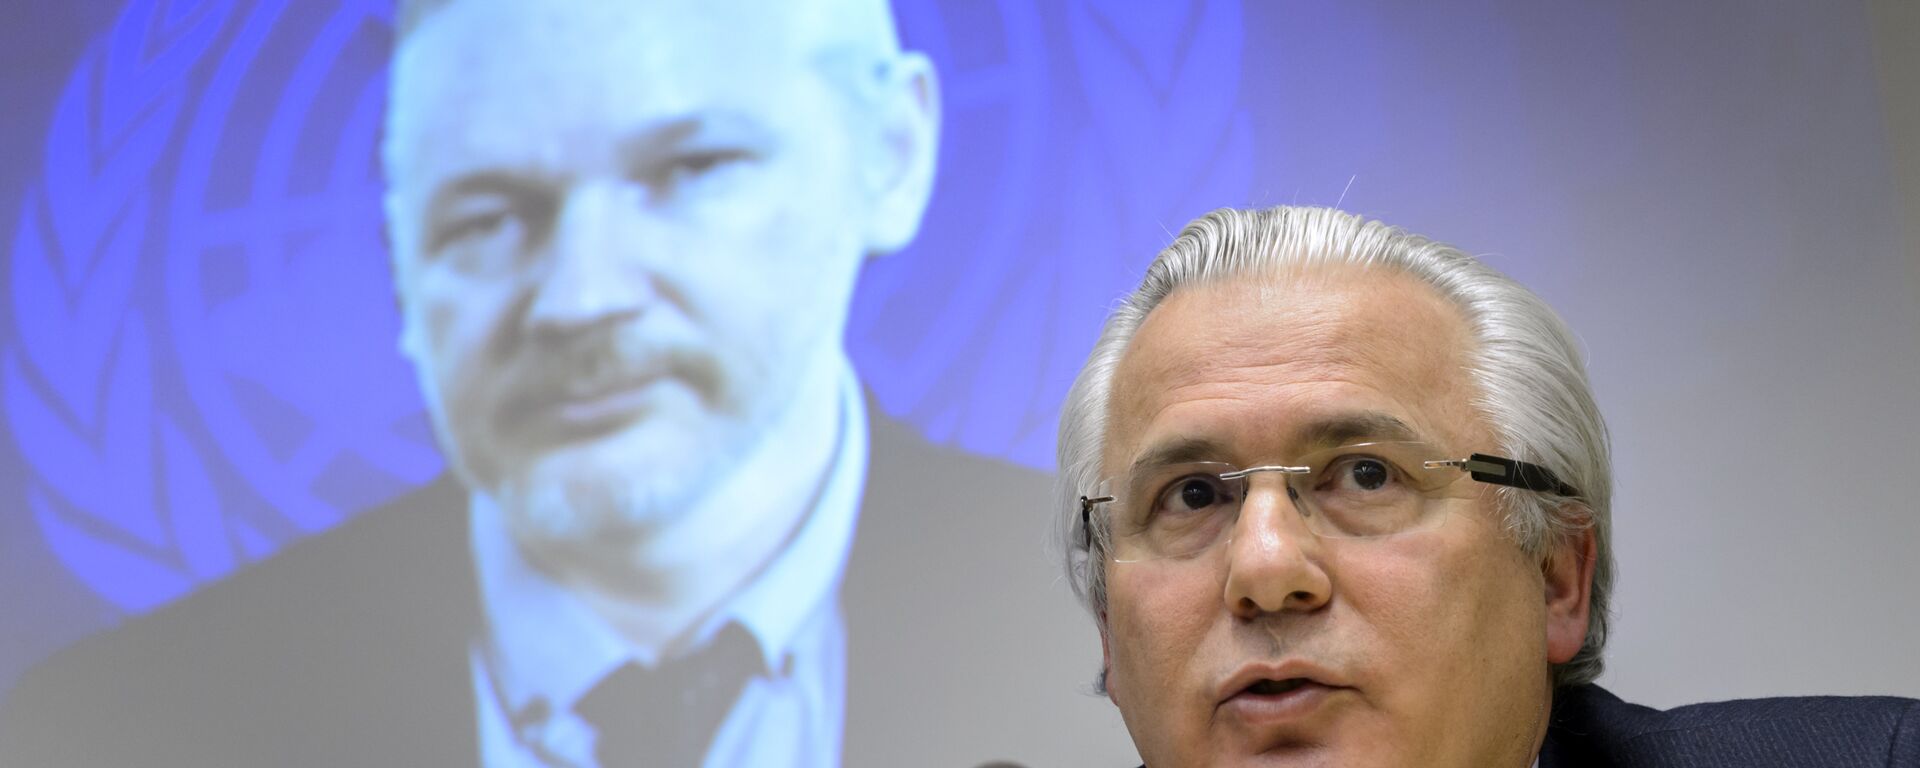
(205, 364)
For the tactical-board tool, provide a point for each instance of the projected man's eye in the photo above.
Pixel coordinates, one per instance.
(697, 172)
(486, 231)
(483, 226)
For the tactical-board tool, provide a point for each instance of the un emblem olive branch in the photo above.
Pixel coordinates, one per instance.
(116, 482)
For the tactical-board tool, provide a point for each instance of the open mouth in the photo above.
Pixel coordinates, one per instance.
(1277, 687)
(1278, 701)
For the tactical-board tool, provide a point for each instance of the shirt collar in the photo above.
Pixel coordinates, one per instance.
(543, 642)
(775, 606)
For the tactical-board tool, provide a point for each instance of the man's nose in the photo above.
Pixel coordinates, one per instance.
(1273, 563)
(594, 274)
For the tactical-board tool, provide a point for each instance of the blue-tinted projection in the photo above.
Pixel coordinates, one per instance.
(198, 277)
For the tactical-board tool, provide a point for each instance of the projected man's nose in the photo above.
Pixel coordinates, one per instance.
(592, 276)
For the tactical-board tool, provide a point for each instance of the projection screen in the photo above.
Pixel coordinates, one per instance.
(378, 379)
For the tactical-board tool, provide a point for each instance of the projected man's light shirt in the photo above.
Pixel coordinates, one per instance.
(545, 649)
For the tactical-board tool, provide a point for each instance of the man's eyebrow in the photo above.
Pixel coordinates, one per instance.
(1180, 451)
(1341, 429)
(694, 129)
(656, 138)
(1335, 430)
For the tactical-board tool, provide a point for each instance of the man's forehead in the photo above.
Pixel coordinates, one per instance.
(1295, 352)
(475, 53)
(743, 31)
(495, 79)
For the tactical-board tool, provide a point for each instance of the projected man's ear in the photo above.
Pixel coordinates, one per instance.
(898, 166)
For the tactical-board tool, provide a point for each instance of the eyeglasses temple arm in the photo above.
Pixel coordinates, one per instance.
(1510, 472)
(1086, 512)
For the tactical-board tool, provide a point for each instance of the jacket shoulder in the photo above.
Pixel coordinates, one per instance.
(1593, 727)
(304, 638)
(936, 600)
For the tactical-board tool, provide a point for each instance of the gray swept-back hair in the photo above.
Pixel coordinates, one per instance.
(1529, 379)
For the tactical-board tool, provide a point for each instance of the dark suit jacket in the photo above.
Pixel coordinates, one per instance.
(1593, 728)
(351, 648)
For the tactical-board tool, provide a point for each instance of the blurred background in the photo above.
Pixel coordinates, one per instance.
(199, 340)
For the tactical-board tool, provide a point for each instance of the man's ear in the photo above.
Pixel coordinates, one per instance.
(899, 170)
(1568, 572)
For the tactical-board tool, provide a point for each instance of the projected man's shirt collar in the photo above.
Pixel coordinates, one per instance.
(545, 648)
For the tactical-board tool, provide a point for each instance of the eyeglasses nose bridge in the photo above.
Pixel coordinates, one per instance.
(1244, 476)
(1242, 473)
(1289, 498)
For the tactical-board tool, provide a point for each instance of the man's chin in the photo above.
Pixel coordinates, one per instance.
(614, 490)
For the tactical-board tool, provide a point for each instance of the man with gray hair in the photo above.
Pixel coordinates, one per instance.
(1337, 494)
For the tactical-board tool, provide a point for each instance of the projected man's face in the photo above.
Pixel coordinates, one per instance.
(622, 233)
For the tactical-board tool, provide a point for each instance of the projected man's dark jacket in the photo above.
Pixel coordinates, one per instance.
(352, 648)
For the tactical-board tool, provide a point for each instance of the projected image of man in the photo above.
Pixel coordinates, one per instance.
(626, 237)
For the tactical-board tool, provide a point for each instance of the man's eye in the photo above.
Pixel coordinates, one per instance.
(482, 241)
(478, 226)
(1359, 473)
(702, 162)
(485, 229)
(691, 168)
(1192, 494)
